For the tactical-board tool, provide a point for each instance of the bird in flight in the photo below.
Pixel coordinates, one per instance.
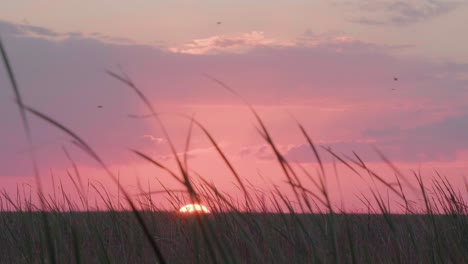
(99, 106)
(218, 23)
(395, 78)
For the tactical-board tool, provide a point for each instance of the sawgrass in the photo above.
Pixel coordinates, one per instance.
(304, 228)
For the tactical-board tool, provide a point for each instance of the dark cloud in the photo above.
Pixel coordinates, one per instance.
(245, 151)
(303, 153)
(438, 141)
(75, 35)
(32, 31)
(385, 132)
(39, 30)
(368, 21)
(262, 152)
(7, 28)
(66, 79)
(401, 13)
(119, 40)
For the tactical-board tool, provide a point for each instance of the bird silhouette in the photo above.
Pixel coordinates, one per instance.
(99, 106)
(395, 79)
(218, 23)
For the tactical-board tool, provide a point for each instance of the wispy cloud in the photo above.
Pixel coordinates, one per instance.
(245, 42)
(156, 140)
(190, 154)
(261, 151)
(228, 43)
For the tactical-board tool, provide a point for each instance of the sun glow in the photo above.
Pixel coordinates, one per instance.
(194, 208)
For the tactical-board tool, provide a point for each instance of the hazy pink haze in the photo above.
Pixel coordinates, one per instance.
(329, 64)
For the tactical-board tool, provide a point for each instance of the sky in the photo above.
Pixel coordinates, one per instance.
(358, 75)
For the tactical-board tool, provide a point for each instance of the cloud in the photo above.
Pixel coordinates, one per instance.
(385, 132)
(400, 13)
(29, 29)
(66, 79)
(190, 154)
(303, 153)
(32, 31)
(246, 42)
(25, 29)
(261, 151)
(438, 141)
(311, 39)
(228, 43)
(369, 21)
(156, 140)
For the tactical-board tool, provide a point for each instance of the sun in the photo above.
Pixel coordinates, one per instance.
(194, 208)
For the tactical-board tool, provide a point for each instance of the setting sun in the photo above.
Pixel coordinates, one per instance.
(194, 208)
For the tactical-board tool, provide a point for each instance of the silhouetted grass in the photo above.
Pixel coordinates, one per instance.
(257, 227)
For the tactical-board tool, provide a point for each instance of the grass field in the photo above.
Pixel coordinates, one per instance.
(54, 232)
(115, 237)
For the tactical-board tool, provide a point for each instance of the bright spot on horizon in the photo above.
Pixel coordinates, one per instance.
(194, 208)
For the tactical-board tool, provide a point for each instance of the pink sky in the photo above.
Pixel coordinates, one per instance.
(330, 65)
